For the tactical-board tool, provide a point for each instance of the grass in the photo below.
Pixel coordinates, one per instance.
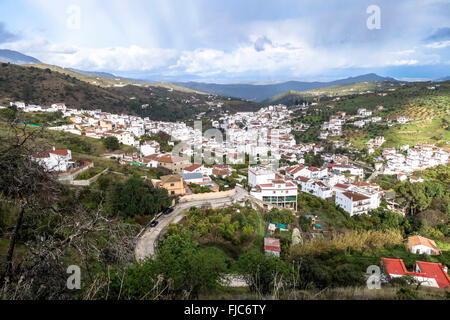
(420, 131)
(19, 251)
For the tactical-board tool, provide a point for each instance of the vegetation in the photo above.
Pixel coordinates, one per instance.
(111, 143)
(35, 85)
(135, 197)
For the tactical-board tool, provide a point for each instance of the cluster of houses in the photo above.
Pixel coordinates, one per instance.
(335, 181)
(333, 127)
(407, 160)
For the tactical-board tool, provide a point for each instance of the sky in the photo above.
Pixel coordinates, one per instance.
(234, 40)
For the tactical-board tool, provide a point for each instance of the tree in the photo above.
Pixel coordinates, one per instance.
(111, 143)
(179, 270)
(261, 271)
(60, 226)
(135, 197)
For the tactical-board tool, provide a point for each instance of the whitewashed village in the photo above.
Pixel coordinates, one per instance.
(265, 138)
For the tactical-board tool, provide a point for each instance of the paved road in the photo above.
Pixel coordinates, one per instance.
(146, 243)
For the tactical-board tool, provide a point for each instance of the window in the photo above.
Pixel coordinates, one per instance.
(172, 192)
(172, 184)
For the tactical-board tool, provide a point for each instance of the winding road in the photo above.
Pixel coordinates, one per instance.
(148, 239)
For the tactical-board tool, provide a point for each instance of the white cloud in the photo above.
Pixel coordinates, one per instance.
(132, 58)
(439, 44)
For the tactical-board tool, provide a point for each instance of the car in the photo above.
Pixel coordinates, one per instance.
(154, 223)
(168, 211)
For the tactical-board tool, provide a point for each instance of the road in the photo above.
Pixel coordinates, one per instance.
(147, 241)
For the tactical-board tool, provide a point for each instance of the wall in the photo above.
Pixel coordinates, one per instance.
(89, 181)
(68, 177)
(210, 195)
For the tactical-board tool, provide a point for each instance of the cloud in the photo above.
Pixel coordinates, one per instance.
(5, 35)
(439, 35)
(439, 45)
(261, 42)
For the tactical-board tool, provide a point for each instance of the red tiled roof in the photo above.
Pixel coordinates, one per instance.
(193, 167)
(166, 158)
(59, 152)
(435, 270)
(303, 179)
(427, 270)
(355, 196)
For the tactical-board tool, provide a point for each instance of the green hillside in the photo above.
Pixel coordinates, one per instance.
(427, 105)
(35, 85)
(106, 82)
(293, 97)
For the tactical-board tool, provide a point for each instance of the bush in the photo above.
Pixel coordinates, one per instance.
(111, 143)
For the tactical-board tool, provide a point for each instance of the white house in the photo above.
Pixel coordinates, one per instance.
(315, 187)
(422, 245)
(402, 120)
(259, 175)
(58, 160)
(279, 192)
(352, 202)
(354, 171)
(149, 147)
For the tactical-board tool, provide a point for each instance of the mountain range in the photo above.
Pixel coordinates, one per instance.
(250, 92)
(260, 92)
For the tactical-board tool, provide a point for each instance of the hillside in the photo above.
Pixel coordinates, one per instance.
(427, 106)
(45, 87)
(10, 56)
(293, 97)
(107, 80)
(261, 92)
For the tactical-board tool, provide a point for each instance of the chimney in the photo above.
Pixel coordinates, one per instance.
(445, 268)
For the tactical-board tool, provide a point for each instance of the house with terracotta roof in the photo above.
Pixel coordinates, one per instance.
(429, 274)
(173, 163)
(57, 160)
(221, 170)
(173, 183)
(198, 168)
(422, 245)
(353, 202)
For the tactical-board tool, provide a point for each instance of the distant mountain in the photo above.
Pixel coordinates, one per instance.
(95, 73)
(16, 57)
(255, 92)
(447, 78)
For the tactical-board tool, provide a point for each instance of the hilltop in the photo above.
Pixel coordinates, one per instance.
(292, 97)
(261, 92)
(104, 79)
(45, 86)
(10, 56)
